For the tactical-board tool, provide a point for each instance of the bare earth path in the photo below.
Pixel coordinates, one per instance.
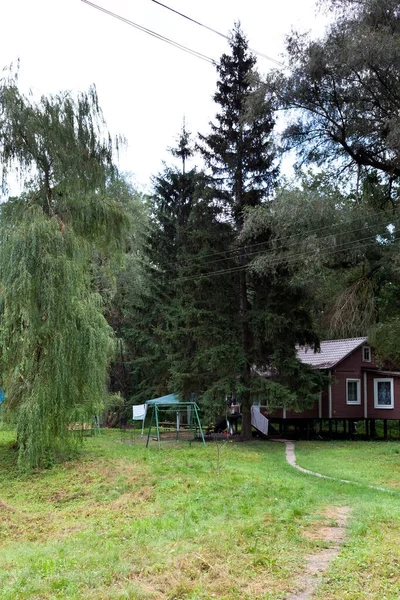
(317, 563)
(334, 535)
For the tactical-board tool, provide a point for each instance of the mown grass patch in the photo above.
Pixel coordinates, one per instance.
(373, 463)
(123, 521)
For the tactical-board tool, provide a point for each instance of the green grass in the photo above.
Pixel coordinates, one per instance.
(370, 463)
(121, 521)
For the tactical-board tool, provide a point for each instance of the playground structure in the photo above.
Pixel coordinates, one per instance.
(168, 419)
(173, 420)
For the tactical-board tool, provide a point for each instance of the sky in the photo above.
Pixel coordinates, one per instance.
(145, 86)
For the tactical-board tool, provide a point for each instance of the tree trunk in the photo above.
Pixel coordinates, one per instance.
(246, 416)
(246, 345)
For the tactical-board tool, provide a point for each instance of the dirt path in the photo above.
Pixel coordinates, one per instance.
(317, 563)
(6, 507)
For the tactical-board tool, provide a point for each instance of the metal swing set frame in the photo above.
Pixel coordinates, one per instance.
(171, 404)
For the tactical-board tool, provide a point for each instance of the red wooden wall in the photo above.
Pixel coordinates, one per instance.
(352, 367)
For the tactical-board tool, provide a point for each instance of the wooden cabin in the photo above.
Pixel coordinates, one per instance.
(359, 389)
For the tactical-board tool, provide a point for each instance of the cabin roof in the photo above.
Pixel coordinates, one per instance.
(331, 352)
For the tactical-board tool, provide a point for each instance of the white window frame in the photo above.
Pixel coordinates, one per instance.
(364, 348)
(358, 382)
(383, 380)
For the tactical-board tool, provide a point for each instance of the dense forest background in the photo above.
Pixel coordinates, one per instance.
(208, 284)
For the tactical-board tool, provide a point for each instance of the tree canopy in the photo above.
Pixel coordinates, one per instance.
(344, 91)
(56, 343)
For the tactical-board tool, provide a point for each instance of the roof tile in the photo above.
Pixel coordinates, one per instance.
(331, 352)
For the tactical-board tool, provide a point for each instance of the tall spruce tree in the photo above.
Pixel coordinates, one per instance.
(182, 343)
(241, 157)
(55, 342)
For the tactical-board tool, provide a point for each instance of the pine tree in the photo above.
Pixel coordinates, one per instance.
(239, 149)
(55, 341)
(241, 157)
(186, 339)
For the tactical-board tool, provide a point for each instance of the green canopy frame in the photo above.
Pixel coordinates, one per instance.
(171, 403)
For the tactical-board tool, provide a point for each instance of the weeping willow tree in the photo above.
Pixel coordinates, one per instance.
(55, 341)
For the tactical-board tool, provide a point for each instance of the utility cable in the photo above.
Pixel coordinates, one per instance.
(152, 33)
(253, 252)
(288, 238)
(287, 259)
(219, 33)
(284, 238)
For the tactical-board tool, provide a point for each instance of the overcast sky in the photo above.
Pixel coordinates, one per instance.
(145, 86)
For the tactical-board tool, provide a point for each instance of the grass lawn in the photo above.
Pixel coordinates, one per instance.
(187, 523)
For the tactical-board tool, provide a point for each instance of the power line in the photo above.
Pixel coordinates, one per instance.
(234, 252)
(152, 33)
(293, 236)
(219, 33)
(390, 212)
(291, 259)
(288, 259)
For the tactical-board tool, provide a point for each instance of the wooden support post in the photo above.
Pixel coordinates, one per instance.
(330, 428)
(344, 427)
(373, 428)
(335, 425)
(367, 428)
(385, 429)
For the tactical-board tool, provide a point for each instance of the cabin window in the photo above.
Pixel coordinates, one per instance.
(353, 391)
(383, 393)
(366, 354)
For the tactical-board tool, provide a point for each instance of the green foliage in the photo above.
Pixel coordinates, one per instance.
(213, 319)
(178, 329)
(203, 335)
(384, 337)
(241, 157)
(342, 96)
(58, 141)
(56, 344)
(239, 149)
(342, 254)
(127, 290)
(56, 239)
(345, 91)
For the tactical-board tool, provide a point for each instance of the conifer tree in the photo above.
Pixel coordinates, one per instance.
(55, 342)
(183, 342)
(241, 157)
